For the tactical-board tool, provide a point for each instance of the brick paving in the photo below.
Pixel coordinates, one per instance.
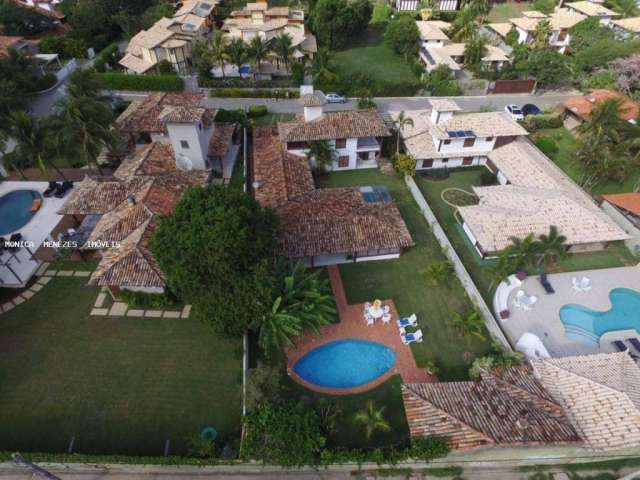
(352, 325)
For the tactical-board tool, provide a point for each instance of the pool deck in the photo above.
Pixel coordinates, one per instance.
(352, 325)
(543, 319)
(35, 232)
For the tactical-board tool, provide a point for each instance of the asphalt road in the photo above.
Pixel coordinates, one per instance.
(385, 104)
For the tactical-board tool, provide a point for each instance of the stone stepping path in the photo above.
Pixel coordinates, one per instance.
(118, 309)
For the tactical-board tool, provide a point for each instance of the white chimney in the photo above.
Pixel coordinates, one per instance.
(189, 136)
(442, 110)
(313, 107)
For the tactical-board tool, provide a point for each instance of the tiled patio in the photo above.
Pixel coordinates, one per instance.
(352, 325)
(543, 319)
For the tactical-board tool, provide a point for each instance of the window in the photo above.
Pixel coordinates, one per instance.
(428, 163)
(296, 145)
(445, 160)
(447, 142)
(469, 142)
(489, 139)
(341, 142)
(467, 160)
(343, 161)
(184, 144)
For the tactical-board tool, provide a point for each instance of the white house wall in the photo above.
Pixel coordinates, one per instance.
(453, 162)
(456, 147)
(351, 151)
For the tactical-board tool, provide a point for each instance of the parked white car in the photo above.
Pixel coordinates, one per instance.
(335, 98)
(515, 111)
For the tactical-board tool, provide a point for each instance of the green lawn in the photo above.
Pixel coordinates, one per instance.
(405, 281)
(371, 55)
(614, 256)
(272, 119)
(502, 12)
(119, 385)
(350, 435)
(566, 160)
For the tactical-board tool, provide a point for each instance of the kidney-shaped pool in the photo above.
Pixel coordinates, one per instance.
(15, 209)
(345, 363)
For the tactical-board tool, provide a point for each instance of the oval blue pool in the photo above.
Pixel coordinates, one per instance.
(587, 326)
(345, 363)
(15, 210)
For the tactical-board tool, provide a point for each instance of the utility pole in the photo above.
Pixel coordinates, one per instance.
(19, 460)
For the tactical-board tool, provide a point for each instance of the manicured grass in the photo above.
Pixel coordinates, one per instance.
(351, 435)
(371, 55)
(616, 255)
(502, 12)
(73, 265)
(406, 282)
(119, 385)
(272, 119)
(566, 160)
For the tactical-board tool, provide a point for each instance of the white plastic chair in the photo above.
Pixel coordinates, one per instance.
(386, 318)
(386, 309)
(370, 321)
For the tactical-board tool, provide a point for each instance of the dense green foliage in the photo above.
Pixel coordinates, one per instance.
(122, 81)
(547, 145)
(22, 21)
(335, 22)
(216, 250)
(544, 6)
(404, 164)
(544, 120)
(402, 33)
(66, 46)
(440, 82)
(108, 56)
(149, 300)
(601, 52)
(252, 93)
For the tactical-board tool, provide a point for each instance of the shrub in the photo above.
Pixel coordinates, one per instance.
(601, 52)
(45, 82)
(122, 81)
(601, 79)
(257, 111)
(534, 123)
(251, 93)
(544, 6)
(404, 164)
(403, 35)
(149, 300)
(106, 57)
(547, 145)
(428, 448)
(487, 177)
(165, 68)
(65, 46)
(230, 116)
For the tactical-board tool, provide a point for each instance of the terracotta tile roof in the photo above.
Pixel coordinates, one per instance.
(629, 24)
(600, 394)
(325, 221)
(145, 185)
(503, 408)
(332, 125)
(144, 116)
(181, 114)
(538, 195)
(582, 106)
(221, 140)
(7, 42)
(626, 201)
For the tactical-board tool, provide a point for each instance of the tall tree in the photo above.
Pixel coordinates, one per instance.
(258, 52)
(283, 49)
(401, 122)
(524, 250)
(627, 8)
(324, 67)
(322, 155)
(215, 52)
(541, 35)
(372, 419)
(237, 52)
(474, 51)
(551, 247)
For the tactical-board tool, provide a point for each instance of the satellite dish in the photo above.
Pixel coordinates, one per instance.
(183, 162)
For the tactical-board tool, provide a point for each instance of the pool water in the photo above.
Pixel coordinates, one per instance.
(587, 326)
(345, 363)
(15, 210)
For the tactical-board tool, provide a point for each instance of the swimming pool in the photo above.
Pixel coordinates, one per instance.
(15, 210)
(345, 363)
(587, 326)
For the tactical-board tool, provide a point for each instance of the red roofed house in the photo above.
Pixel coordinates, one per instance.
(578, 109)
(624, 209)
(19, 44)
(323, 226)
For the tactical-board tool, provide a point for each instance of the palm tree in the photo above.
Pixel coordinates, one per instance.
(372, 419)
(401, 122)
(440, 272)
(466, 25)
(541, 35)
(501, 270)
(322, 154)
(474, 51)
(215, 52)
(237, 52)
(605, 122)
(524, 250)
(470, 324)
(551, 247)
(303, 301)
(258, 52)
(33, 143)
(83, 83)
(627, 8)
(284, 49)
(323, 68)
(480, 7)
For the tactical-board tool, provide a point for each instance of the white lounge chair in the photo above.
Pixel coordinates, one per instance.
(410, 321)
(585, 284)
(412, 337)
(576, 285)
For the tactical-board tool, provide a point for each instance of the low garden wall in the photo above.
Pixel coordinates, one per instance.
(464, 277)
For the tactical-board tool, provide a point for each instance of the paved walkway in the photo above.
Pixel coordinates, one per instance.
(116, 309)
(352, 325)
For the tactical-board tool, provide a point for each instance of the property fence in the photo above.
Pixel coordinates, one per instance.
(464, 277)
(512, 86)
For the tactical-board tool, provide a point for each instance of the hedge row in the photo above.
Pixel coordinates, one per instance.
(115, 459)
(244, 83)
(251, 93)
(123, 81)
(534, 123)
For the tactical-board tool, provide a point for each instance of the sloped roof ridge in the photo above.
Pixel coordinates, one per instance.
(549, 400)
(419, 397)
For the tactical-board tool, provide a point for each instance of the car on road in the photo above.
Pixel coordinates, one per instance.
(335, 98)
(530, 109)
(515, 112)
